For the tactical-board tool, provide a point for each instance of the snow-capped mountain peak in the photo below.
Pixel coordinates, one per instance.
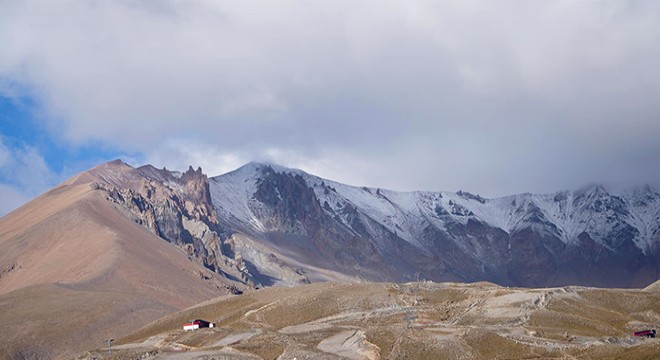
(263, 198)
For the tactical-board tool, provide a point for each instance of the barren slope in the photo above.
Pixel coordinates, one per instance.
(75, 270)
(407, 321)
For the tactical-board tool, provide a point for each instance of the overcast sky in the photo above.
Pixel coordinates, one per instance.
(492, 97)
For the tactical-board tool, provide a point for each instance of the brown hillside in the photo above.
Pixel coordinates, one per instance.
(75, 270)
(653, 287)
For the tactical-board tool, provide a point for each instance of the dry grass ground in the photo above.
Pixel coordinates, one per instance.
(407, 321)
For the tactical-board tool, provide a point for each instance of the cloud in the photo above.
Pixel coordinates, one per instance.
(179, 154)
(11, 199)
(24, 174)
(25, 167)
(491, 97)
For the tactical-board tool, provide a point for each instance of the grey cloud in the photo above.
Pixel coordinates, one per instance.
(491, 97)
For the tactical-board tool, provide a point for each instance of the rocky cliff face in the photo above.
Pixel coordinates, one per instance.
(175, 207)
(588, 237)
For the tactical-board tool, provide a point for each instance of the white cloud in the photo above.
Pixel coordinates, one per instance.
(11, 199)
(28, 170)
(178, 155)
(493, 97)
(24, 174)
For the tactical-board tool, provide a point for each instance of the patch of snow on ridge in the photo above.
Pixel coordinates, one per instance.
(233, 192)
(644, 203)
(396, 211)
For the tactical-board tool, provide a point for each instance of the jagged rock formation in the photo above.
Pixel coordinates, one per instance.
(176, 207)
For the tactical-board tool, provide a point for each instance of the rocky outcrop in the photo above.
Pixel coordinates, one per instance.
(178, 209)
(6, 270)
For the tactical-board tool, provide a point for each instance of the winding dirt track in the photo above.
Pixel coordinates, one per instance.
(412, 321)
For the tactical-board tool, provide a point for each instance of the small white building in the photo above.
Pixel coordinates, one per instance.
(199, 323)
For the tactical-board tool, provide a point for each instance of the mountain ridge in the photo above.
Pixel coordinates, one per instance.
(591, 190)
(141, 242)
(589, 224)
(264, 224)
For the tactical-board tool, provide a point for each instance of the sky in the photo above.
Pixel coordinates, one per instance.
(491, 97)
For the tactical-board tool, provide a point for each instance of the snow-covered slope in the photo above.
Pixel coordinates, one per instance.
(565, 214)
(232, 195)
(483, 232)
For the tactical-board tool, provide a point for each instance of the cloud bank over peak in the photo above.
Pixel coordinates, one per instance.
(493, 97)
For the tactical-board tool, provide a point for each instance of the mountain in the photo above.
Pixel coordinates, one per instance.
(87, 260)
(116, 247)
(293, 227)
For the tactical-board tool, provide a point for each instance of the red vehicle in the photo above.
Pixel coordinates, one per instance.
(647, 333)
